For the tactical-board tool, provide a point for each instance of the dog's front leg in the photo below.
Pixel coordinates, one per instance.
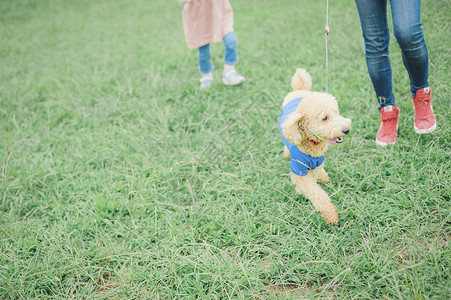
(307, 186)
(322, 174)
(286, 153)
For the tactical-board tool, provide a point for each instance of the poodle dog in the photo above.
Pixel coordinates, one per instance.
(308, 123)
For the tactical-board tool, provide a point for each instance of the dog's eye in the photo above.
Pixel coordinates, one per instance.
(300, 127)
(325, 118)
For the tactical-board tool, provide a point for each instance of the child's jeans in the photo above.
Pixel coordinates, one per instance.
(409, 35)
(230, 55)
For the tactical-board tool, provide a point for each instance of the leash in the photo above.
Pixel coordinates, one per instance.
(326, 34)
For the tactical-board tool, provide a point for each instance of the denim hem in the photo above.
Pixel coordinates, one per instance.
(211, 69)
(414, 90)
(231, 62)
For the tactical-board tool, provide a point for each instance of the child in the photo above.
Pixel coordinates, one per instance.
(207, 21)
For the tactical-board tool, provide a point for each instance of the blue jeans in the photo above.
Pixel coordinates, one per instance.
(230, 55)
(409, 35)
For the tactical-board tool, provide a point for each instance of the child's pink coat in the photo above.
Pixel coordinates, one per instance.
(206, 21)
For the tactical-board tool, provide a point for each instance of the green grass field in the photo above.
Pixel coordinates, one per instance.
(120, 179)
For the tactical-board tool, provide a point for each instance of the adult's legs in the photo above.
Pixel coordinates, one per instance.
(410, 37)
(409, 34)
(373, 18)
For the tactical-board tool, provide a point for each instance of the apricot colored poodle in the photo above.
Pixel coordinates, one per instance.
(309, 123)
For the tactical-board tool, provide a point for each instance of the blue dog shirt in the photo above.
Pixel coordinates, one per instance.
(300, 162)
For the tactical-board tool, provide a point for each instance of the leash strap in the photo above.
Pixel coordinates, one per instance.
(326, 34)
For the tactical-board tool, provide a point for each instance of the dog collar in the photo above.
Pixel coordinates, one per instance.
(314, 142)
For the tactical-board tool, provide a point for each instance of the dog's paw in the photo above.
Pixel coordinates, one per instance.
(323, 177)
(330, 216)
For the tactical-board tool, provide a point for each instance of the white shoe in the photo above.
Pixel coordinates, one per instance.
(231, 77)
(206, 80)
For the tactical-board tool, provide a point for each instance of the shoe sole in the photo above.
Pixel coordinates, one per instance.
(206, 86)
(382, 144)
(425, 131)
(229, 83)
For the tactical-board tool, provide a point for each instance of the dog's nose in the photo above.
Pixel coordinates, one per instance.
(345, 131)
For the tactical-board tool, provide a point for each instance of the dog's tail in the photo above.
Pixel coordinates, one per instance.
(301, 80)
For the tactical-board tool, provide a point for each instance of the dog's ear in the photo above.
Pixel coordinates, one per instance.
(293, 128)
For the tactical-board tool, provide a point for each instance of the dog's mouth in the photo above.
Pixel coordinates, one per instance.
(337, 140)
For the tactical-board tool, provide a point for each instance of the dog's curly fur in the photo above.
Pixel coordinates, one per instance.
(312, 127)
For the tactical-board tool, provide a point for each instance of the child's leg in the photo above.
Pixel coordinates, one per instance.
(205, 65)
(230, 76)
(205, 59)
(231, 48)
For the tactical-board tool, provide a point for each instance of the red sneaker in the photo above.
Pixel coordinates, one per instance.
(424, 115)
(388, 132)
